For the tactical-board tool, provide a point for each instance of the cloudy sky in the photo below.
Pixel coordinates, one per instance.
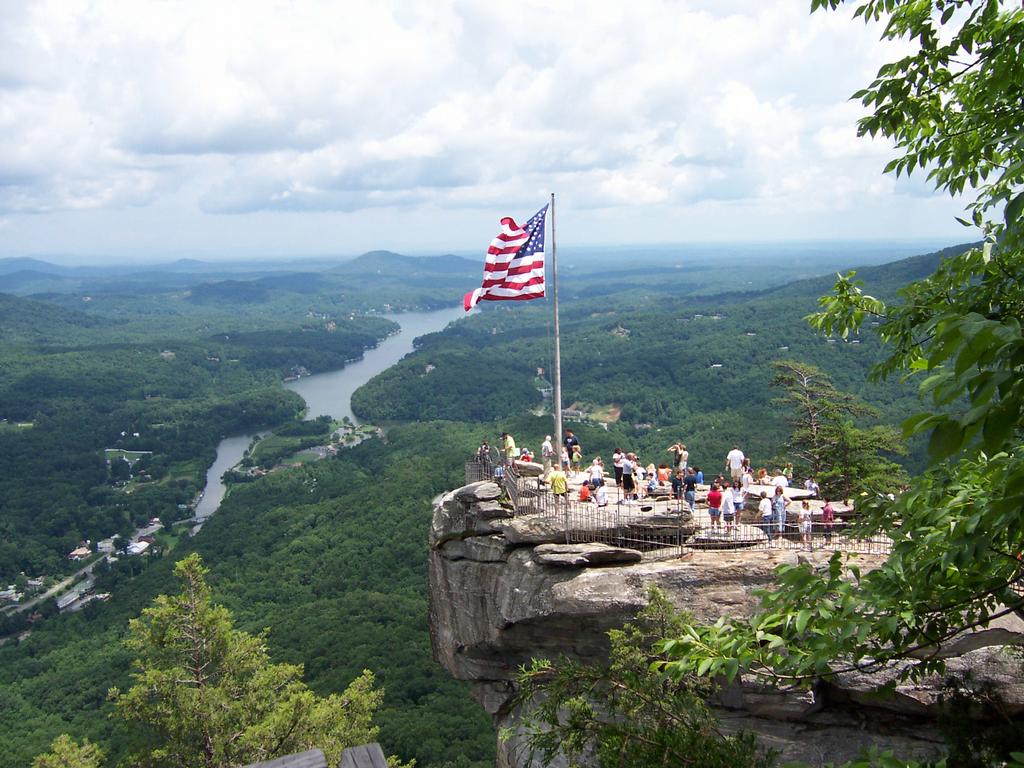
(143, 129)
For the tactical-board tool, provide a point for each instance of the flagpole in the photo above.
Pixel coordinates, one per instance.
(556, 393)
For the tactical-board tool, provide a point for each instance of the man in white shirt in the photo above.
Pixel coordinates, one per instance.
(734, 462)
(547, 453)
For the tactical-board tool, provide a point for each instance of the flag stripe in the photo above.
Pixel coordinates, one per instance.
(514, 265)
(520, 282)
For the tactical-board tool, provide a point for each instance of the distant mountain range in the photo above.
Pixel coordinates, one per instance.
(30, 276)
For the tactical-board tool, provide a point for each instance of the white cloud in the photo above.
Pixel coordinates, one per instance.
(236, 108)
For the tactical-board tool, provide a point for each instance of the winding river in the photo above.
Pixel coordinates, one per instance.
(329, 393)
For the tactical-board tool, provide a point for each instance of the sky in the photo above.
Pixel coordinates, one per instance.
(137, 130)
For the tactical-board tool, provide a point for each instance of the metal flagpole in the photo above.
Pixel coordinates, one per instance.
(556, 394)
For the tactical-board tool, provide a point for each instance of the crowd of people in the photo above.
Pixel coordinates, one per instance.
(728, 492)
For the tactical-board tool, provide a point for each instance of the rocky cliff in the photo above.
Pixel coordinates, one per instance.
(505, 588)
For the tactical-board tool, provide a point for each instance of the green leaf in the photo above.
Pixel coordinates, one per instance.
(802, 618)
(1013, 209)
(946, 439)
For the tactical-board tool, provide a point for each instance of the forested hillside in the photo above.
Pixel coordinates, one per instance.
(695, 368)
(331, 556)
(64, 399)
(331, 559)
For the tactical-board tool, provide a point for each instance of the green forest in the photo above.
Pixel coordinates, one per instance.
(330, 557)
(175, 398)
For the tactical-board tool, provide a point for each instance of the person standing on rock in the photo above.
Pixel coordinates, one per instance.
(572, 443)
(779, 503)
(806, 523)
(715, 506)
(508, 446)
(547, 453)
(734, 462)
(765, 508)
(739, 496)
(680, 456)
(728, 510)
(629, 477)
(597, 472)
(617, 458)
(559, 484)
(483, 453)
(576, 458)
(690, 489)
(828, 520)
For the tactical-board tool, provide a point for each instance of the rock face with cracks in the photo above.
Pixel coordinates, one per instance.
(505, 589)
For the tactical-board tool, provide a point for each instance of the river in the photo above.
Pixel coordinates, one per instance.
(329, 393)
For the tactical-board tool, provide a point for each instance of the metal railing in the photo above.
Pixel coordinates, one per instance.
(659, 526)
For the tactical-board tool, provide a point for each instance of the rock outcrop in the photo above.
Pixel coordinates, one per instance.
(506, 588)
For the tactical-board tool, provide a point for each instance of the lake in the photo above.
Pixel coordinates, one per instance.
(329, 393)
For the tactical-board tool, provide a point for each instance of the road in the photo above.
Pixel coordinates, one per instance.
(84, 571)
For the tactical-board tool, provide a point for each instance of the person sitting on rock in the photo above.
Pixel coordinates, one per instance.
(601, 496)
(585, 492)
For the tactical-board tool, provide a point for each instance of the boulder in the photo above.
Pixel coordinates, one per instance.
(529, 468)
(490, 510)
(739, 537)
(532, 529)
(454, 519)
(484, 490)
(506, 590)
(584, 555)
(480, 549)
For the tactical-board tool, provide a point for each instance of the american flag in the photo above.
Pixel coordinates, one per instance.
(514, 268)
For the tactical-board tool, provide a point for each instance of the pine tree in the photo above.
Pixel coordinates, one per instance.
(825, 441)
(210, 697)
(67, 753)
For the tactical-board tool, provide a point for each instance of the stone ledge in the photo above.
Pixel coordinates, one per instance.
(584, 555)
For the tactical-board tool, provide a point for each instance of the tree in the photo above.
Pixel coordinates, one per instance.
(954, 109)
(65, 752)
(845, 458)
(211, 698)
(625, 714)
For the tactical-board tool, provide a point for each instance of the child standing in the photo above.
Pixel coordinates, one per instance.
(806, 521)
(728, 510)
